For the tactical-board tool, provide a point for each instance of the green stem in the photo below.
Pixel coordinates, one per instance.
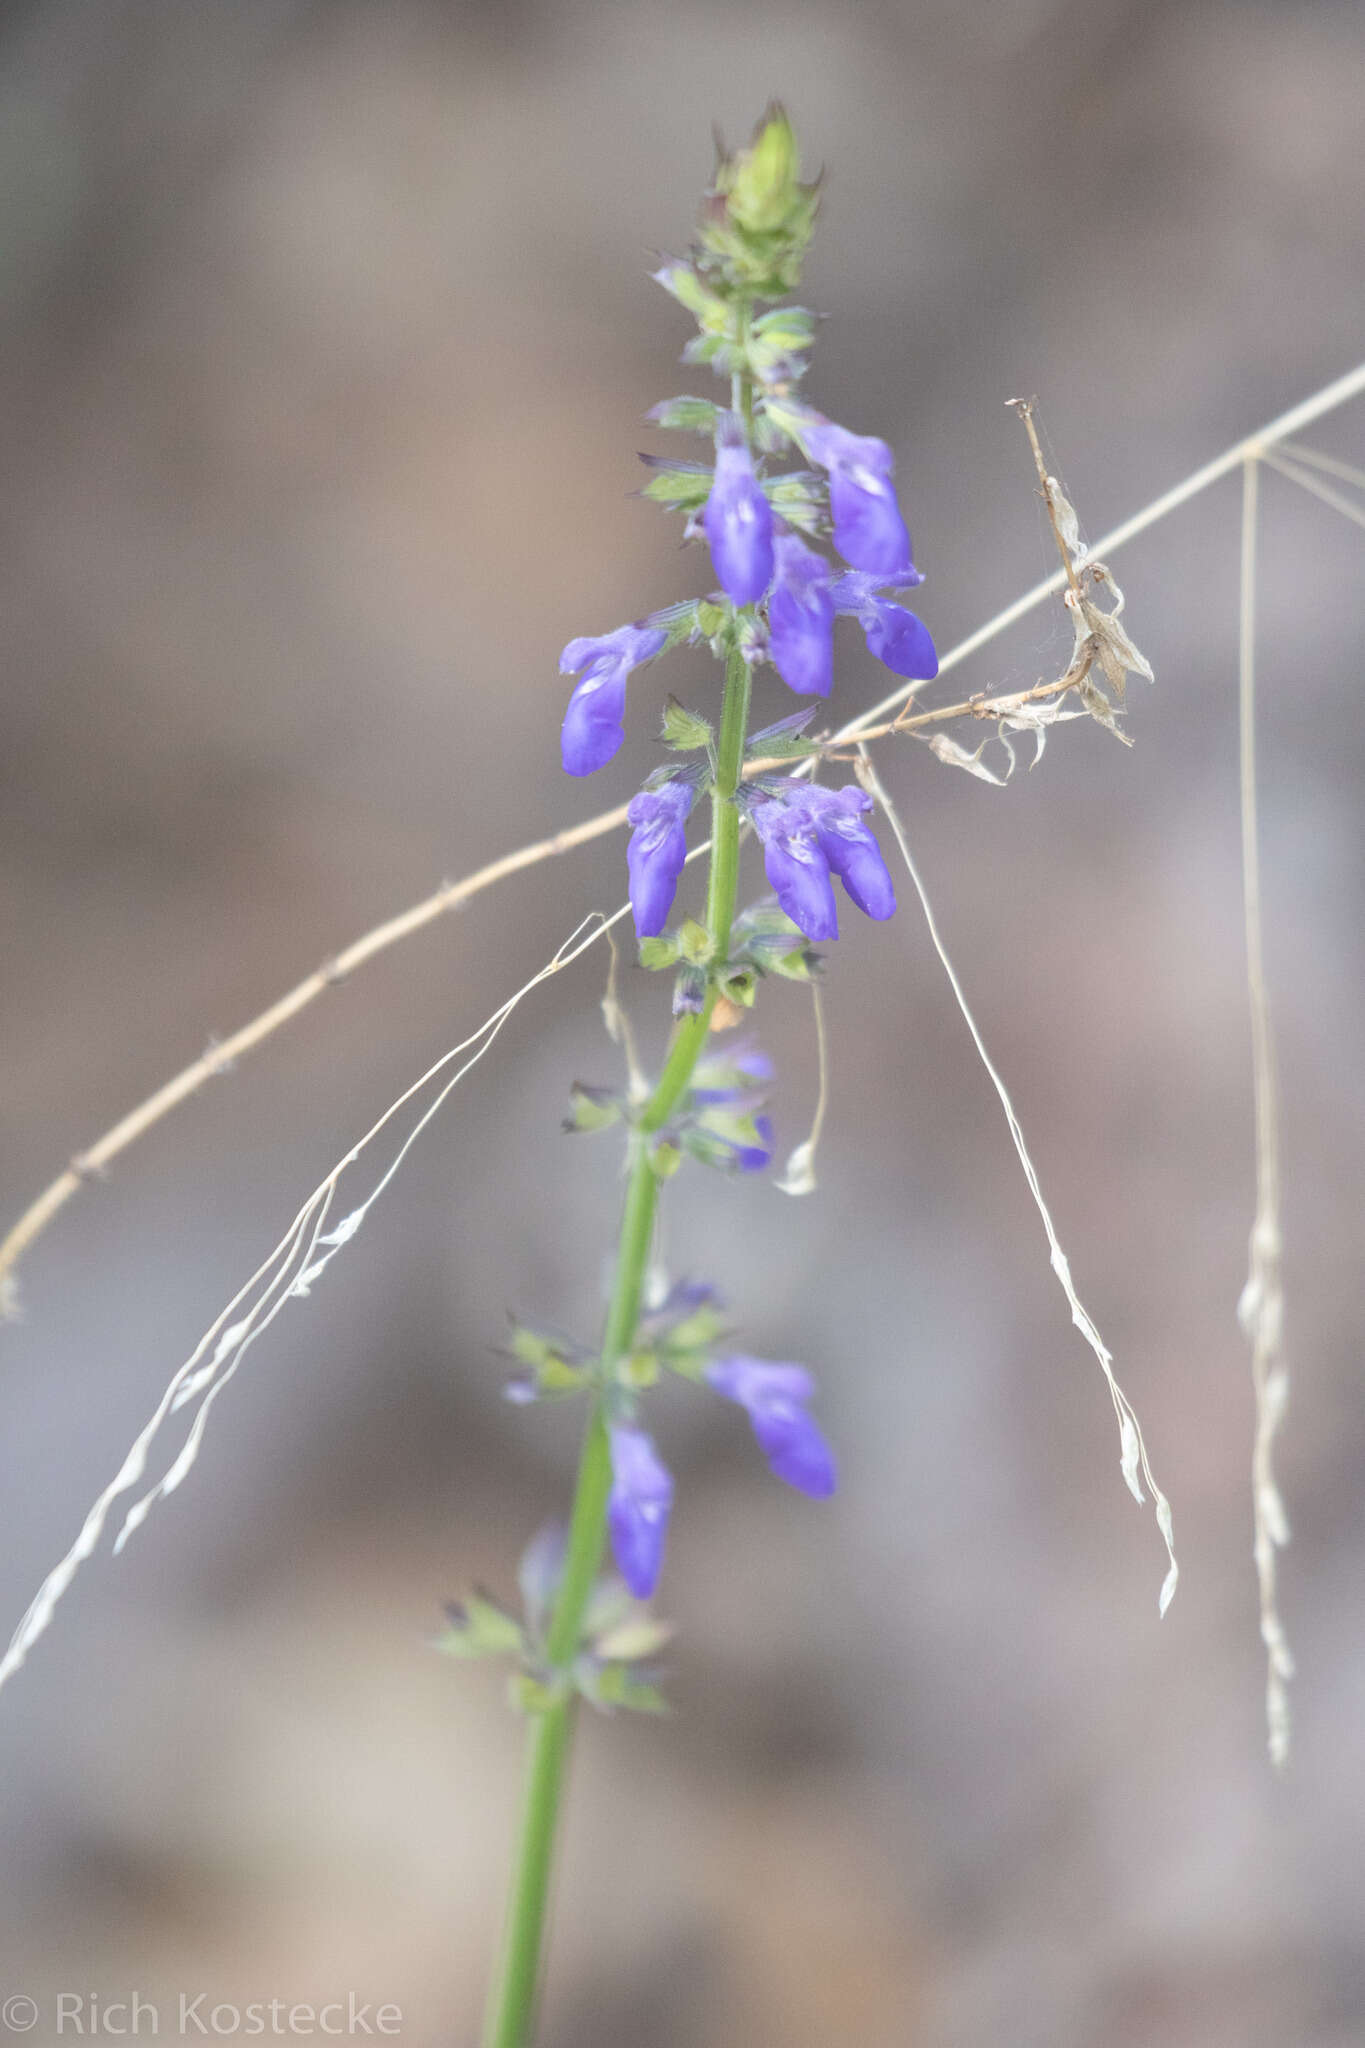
(511, 2009)
(742, 385)
(512, 2005)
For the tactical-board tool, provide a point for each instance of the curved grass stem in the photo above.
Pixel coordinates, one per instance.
(879, 718)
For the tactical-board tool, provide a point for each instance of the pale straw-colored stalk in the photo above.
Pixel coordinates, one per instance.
(1261, 1307)
(295, 1264)
(95, 1160)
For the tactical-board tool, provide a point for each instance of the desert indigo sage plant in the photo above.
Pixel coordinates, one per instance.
(778, 600)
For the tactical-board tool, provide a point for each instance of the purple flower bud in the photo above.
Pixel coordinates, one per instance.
(689, 989)
(869, 531)
(638, 1509)
(774, 1397)
(801, 618)
(657, 850)
(738, 518)
(893, 634)
(593, 722)
(811, 832)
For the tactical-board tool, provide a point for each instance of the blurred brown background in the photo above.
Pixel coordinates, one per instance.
(327, 337)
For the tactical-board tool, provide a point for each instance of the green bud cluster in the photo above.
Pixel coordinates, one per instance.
(614, 1667)
(555, 1368)
(758, 217)
(764, 941)
(756, 224)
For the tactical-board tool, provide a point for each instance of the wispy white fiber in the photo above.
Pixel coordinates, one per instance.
(798, 1177)
(288, 1273)
(1261, 1307)
(1306, 481)
(1333, 464)
(1133, 1460)
(180, 1087)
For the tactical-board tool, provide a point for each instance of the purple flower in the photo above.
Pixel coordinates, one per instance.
(893, 634)
(592, 724)
(811, 833)
(737, 1138)
(853, 853)
(901, 641)
(801, 618)
(738, 518)
(657, 850)
(638, 1508)
(687, 1305)
(796, 868)
(540, 1571)
(745, 1144)
(774, 1397)
(727, 1127)
(869, 531)
(732, 1075)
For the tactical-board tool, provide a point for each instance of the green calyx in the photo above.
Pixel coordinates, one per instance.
(686, 732)
(765, 941)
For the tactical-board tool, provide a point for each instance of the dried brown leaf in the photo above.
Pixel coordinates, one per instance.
(1068, 525)
(957, 757)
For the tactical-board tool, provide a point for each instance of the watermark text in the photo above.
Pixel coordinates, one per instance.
(199, 2016)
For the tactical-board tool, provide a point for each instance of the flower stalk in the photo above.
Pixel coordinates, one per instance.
(511, 2009)
(778, 600)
